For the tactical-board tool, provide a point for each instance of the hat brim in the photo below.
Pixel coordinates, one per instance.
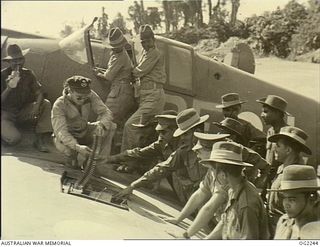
(208, 162)
(227, 128)
(179, 131)
(139, 125)
(24, 52)
(210, 137)
(168, 116)
(262, 101)
(121, 44)
(304, 148)
(300, 189)
(231, 104)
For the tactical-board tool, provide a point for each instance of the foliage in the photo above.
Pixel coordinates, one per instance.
(68, 29)
(271, 33)
(137, 15)
(307, 37)
(119, 22)
(153, 17)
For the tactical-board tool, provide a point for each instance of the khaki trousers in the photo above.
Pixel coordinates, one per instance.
(9, 121)
(151, 103)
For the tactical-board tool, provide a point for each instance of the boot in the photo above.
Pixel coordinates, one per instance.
(39, 143)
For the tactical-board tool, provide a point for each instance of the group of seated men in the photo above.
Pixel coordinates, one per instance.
(216, 174)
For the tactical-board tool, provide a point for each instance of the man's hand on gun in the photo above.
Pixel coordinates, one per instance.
(83, 149)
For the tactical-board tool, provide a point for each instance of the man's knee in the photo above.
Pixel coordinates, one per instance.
(12, 137)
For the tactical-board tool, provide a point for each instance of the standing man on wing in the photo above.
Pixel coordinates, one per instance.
(150, 77)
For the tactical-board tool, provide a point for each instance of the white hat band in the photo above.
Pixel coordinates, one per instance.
(189, 122)
(296, 184)
(226, 154)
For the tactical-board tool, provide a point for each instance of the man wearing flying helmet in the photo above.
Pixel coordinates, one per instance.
(70, 119)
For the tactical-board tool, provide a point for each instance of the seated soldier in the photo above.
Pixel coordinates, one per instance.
(245, 216)
(211, 197)
(298, 189)
(236, 131)
(181, 168)
(231, 107)
(22, 101)
(145, 158)
(70, 113)
(290, 143)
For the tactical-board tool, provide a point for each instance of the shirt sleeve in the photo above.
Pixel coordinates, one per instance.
(60, 126)
(206, 183)
(147, 63)
(161, 170)
(103, 112)
(114, 67)
(149, 152)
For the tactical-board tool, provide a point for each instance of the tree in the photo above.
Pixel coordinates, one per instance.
(137, 15)
(103, 25)
(119, 22)
(235, 4)
(153, 17)
(66, 31)
(210, 9)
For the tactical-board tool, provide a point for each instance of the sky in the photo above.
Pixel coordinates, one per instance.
(49, 17)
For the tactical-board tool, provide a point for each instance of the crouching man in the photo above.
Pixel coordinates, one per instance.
(70, 114)
(22, 101)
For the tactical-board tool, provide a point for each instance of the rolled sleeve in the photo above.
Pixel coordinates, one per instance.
(161, 170)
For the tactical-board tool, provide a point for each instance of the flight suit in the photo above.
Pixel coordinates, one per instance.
(120, 100)
(70, 122)
(182, 170)
(245, 216)
(152, 76)
(19, 103)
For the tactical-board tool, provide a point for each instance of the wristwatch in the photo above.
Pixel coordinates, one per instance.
(185, 235)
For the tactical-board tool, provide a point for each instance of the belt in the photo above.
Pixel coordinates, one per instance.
(150, 85)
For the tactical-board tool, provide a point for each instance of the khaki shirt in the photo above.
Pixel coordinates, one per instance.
(151, 67)
(119, 67)
(181, 168)
(26, 91)
(245, 216)
(69, 122)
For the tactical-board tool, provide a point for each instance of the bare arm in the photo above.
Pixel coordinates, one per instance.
(206, 213)
(216, 232)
